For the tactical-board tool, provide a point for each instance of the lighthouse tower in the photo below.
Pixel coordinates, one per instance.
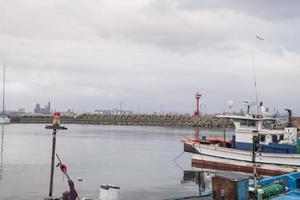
(197, 112)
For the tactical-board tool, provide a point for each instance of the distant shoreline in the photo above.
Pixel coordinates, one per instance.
(135, 120)
(139, 120)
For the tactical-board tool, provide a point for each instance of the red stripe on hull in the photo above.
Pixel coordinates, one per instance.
(238, 168)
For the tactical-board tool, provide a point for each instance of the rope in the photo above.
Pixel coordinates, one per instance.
(174, 160)
(178, 156)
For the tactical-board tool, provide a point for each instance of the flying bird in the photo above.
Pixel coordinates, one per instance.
(260, 38)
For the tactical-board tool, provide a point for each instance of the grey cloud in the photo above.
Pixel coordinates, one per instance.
(172, 26)
(94, 54)
(266, 10)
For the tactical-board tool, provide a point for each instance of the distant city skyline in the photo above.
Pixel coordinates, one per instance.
(47, 109)
(43, 110)
(88, 55)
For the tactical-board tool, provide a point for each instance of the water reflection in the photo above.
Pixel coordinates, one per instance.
(2, 148)
(201, 178)
(136, 158)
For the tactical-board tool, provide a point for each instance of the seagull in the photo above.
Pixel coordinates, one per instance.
(260, 38)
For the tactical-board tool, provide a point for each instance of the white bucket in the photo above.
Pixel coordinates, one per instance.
(109, 192)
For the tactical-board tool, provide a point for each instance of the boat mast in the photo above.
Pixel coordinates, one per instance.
(3, 90)
(255, 86)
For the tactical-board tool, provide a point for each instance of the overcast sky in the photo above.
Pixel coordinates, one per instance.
(150, 54)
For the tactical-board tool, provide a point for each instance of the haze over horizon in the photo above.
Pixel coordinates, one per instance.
(88, 55)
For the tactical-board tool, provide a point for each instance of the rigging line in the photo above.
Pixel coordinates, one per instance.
(178, 156)
(255, 85)
(174, 160)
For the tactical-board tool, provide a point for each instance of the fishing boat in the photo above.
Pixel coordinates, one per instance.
(281, 187)
(277, 149)
(4, 119)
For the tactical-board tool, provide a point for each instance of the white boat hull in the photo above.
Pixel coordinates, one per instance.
(238, 160)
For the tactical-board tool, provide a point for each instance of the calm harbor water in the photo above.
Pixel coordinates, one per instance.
(139, 159)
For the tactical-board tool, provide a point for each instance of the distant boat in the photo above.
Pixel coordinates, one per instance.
(4, 119)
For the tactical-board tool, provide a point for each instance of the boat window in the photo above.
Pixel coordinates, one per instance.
(262, 138)
(245, 122)
(251, 123)
(269, 124)
(281, 137)
(274, 138)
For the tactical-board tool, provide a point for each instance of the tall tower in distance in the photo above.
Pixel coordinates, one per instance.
(197, 112)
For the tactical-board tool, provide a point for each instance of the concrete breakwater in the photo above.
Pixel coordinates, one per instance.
(143, 119)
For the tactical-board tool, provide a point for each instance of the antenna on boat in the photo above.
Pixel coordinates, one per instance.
(230, 104)
(254, 76)
(255, 84)
(248, 105)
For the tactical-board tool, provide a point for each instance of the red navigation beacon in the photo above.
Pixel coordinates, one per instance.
(197, 112)
(56, 119)
(56, 122)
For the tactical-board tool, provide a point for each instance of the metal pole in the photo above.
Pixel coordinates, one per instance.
(224, 132)
(3, 91)
(255, 86)
(2, 143)
(199, 182)
(254, 144)
(52, 163)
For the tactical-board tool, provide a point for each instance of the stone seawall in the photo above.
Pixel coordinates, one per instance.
(145, 120)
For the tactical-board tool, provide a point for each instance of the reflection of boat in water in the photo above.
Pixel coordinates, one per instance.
(202, 179)
(2, 148)
(278, 149)
(4, 119)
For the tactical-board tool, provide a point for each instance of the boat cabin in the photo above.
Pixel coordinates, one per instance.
(272, 138)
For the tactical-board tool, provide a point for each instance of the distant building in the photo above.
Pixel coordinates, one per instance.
(69, 113)
(45, 110)
(20, 112)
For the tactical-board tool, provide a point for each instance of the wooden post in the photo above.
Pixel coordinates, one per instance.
(55, 127)
(52, 163)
